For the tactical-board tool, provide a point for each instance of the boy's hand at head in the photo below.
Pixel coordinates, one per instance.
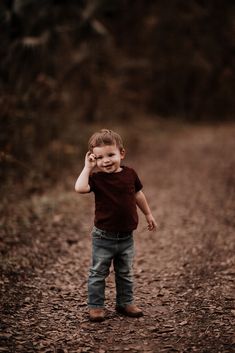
(90, 160)
(152, 224)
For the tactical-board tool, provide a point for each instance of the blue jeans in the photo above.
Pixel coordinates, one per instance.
(108, 247)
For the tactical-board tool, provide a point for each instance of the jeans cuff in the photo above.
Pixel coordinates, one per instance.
(124, 304)
(95, 306)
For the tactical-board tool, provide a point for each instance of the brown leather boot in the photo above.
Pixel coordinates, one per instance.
(96, 314)
(129, 310)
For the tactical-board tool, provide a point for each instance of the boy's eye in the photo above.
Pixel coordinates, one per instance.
(99, 157)
(111, 154)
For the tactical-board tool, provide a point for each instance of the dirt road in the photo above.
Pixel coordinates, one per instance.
(184, 273)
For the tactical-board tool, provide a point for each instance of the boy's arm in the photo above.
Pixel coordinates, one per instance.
(82, 184)
(144, 207)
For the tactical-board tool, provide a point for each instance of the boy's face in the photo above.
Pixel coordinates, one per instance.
(108, 158)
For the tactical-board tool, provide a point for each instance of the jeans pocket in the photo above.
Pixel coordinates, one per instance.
(96, 233)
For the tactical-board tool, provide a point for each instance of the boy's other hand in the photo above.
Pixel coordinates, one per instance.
(90, 160)
(152, 224)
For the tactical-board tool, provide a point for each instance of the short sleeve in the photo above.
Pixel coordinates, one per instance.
(138, 184)
(91, 183)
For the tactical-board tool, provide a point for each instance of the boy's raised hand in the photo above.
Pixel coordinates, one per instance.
(90, 160)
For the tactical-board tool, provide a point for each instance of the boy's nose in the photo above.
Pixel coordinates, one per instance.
(106, 160)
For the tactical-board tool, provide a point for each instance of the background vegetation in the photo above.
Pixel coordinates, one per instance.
(162, 74)
(67, 66)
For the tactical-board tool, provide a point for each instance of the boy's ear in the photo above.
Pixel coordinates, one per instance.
(123, 153)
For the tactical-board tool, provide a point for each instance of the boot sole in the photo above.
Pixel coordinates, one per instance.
(96, 319)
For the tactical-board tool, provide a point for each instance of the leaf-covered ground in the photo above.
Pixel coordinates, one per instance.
(184, 273)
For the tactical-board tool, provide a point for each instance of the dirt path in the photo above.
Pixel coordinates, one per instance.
(185, 273)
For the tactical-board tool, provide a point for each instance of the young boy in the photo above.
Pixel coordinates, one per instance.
(117, 191)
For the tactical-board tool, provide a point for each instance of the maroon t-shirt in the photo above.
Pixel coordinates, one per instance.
(115, 202)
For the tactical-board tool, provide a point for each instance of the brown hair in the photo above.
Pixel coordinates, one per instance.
(105, 137)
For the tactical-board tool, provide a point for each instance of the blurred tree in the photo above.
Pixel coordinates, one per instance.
(69, 63)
